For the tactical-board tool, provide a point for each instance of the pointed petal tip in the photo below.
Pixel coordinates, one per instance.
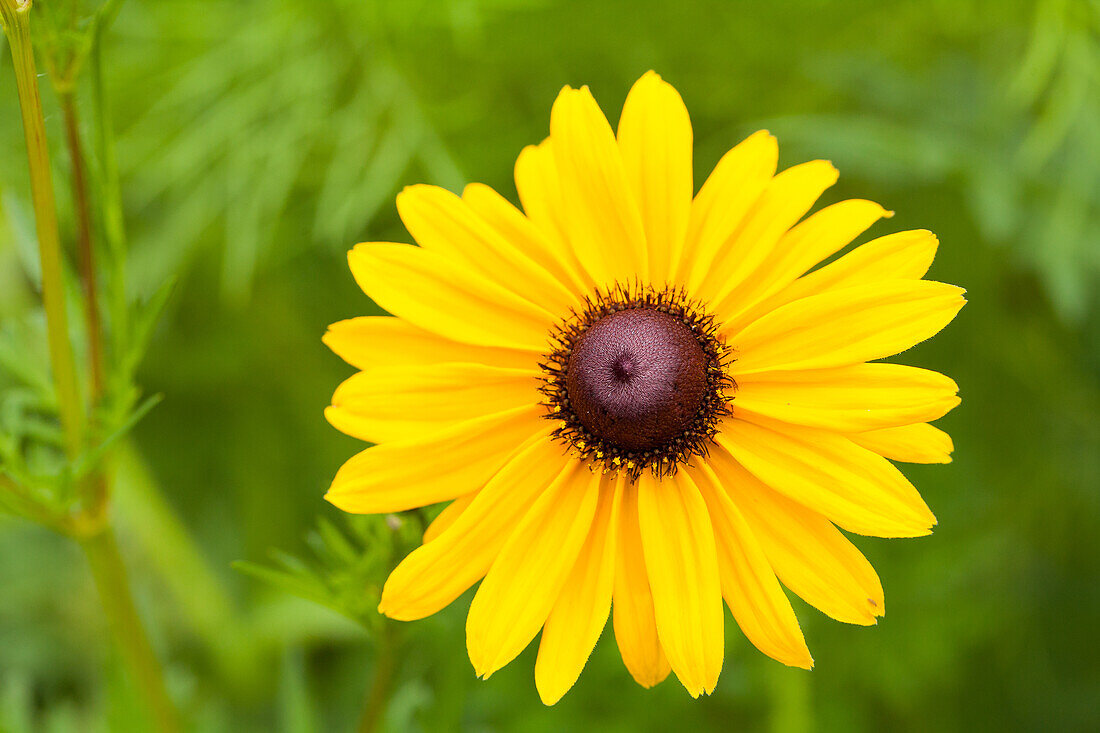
(342, 500)
(651, 74)
(339, 500)
(549, 694)
(799, 658)
(648, 683)
(698, 687)
(484, 671)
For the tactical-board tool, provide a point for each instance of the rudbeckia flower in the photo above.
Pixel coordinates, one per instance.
(641, 401)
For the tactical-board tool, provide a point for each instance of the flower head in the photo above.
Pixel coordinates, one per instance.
(639, 400)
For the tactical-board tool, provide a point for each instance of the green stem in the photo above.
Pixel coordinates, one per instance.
(16, 18)
(114, 593)
(385, 665)
(84, 239)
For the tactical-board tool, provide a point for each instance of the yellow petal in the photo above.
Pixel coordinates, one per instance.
(581, 611)
(900, 256)
(403, 402)
(828, 473)
(748, 581)
(446, 518)
(603, 225)
(547, 251)
(785, 200)
(849, 399)
(655, 141)
(821, 235)
(809, 554)
(682, 562)
(379, 341)
(437, 467)
(842, 327)
(539, 187)
(441, 222)
(441, 570)
(721, 204)
(441, 295)
(527, 577)
(632, 617)
(921, 443)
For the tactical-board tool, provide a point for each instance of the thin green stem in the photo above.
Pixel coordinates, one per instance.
(84, 240)
(385, 667)
(16, 18)
(114, 593)
(96, 539)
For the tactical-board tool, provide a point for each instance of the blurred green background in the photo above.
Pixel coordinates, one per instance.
(259, 140)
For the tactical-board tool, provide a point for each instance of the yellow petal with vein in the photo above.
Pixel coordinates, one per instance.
(842, 327)
(437, 467)
(539, 187)
(820, 236)
(402, 402)
(547, 251)
(785, 200)
(581, 611)
(828, 473)
(442, 222)
(682, 562)
(441, 295)
(527, 577)
(380, 341)
(632, 608)
(604, 225)
(749, 585)
(921, 443)
(809, 555)
(655, 141)
(447, 517)
(722, 203)
(900, 256)
(439, 571)
(849, 399)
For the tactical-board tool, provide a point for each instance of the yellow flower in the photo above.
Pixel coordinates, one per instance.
(637, 400)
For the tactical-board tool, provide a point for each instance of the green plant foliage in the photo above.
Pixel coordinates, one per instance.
(346, 569)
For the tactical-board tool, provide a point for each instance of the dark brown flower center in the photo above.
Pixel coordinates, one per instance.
(637, 378)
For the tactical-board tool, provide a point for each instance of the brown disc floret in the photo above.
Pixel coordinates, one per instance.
(638, 379)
